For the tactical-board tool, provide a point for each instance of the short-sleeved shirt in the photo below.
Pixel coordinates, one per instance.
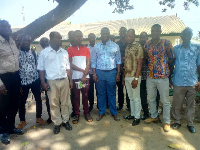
(54, 63)
(79, 57)
(186, 62)
(133, 52)
(158, 56)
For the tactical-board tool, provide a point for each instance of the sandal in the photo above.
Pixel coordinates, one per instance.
(75, 120)
(88, 118)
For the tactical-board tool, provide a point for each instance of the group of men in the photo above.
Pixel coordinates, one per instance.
(144, 67)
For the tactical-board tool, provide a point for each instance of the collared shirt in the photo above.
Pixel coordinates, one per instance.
(91, 50)
(122, 47)
(106, 57)
(79, 57)
(55, 63)
(9, 56)
(28, 69)
(158, 56)
(186, 62)
(133, 52)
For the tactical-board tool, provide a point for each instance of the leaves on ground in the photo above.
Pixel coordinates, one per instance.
(25, 143)
(175, 146)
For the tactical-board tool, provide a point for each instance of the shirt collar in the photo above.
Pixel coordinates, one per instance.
(181, 45)
(108, 42)
(156, 43)
(51, 49)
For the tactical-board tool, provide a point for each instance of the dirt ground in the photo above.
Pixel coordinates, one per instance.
(106, 134)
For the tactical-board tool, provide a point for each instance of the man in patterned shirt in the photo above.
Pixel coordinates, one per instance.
(106, 60)
(160, 56)
(29, 80)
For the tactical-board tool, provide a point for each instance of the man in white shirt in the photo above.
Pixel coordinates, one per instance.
(54, 63)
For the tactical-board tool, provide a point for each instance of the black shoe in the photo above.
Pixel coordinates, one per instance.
(72, 114)
(191, 129)
(68, 126)
(144, 117)
(135, 122)
(49, 120)
(5, 138)
(119, 107)
(176, 126)
(56, 129)
(128, 117)
(17, 131)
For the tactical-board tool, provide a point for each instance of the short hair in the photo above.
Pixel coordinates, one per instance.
(3, 22)
(52, 34)
(132, 30)
(144, 33)
(42, 40)
(24, 35)
(123, 28)
(156, 25)
(91, 35)
(187, 29)
(70, 32)
(105, 28)
(78, 31)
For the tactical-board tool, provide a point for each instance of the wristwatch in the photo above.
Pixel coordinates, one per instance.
(136, 79)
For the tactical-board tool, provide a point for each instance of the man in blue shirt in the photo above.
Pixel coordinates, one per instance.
(105, 59)
(185, 79)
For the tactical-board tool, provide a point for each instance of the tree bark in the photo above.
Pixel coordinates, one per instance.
(38, 27)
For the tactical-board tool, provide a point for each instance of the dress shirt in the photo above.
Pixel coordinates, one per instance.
(9, 56)
(133, 52)
(91, 50)
(186, 62)
(158, 56)
(55, 63)
(106, 57)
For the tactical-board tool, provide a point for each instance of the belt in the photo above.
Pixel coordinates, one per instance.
(60, 79)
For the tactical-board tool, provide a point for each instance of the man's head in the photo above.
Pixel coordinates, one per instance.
(122, 32)
(112, 38)
(55, 39)
(92, 38)
(156, 32)
(5, 29)
(130, 36)
(71, 37)
(78, 37)
(44, 42)
(186, 35)
(105, 34)
(143, 37)
(25, 42)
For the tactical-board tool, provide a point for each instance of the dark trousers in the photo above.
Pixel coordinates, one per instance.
(91, 91)
(47, 104)
(35, 88)
(143, 95)
(76, 99)
(9, 103)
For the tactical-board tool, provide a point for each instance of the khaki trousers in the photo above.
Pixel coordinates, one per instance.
(180, 92)
(58, 99)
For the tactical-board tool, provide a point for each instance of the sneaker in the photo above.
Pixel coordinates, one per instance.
(21, 124)
(5, 138)
(166, 127)
(40, 121)
(149, 120)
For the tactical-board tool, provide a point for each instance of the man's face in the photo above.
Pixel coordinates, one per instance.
(78, 38)
(57, 40)
(122, 33)
(26, 42)
(44, 43)
(155, 33)
(71, 37)
(5, 29)
(143, 38)
(130, 37)
(105, 35)
(92, 39)
(186, 36)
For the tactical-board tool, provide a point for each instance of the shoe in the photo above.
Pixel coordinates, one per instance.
(56, 129)
(75, 120)
(21, 124)
(40, 121)
(149, 120)
(176, 126)
(166, 127)
(99, 117)
(5, 138)
(17, 131)
(88, 118)
(144, 117)
(135, 122)
(191, 129)
(49, 120)
(116, 118)
(68, 126)
(119, 107)
(72, 114)
(129, 117)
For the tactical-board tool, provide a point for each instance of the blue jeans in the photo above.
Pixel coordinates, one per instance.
(106, 84)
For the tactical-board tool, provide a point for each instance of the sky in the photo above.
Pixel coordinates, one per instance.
(96, 10)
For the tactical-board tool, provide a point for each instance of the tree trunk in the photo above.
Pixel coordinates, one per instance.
(64, 10)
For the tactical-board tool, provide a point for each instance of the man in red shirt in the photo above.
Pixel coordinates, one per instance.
(79, 57)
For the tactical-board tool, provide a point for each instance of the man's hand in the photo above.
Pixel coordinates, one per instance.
(85, 72)
(95, 78)
(3, 90)
(70, 85)
(197, 87)
(45, 86)
(123, 82)
(83, 80)
(118, 77)
(134, 83)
